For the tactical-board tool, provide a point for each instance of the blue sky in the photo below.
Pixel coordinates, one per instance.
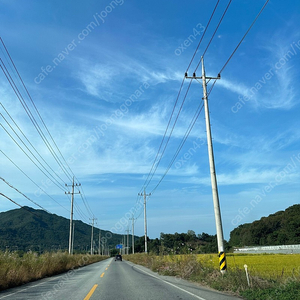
(105, 76)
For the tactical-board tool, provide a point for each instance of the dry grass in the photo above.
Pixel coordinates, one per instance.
(16, 270)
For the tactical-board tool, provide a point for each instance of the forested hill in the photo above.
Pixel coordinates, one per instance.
(281, 228)
(30, 229)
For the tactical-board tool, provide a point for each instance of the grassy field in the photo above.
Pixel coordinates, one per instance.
(272, 277)
(19, 269)
(267, 266)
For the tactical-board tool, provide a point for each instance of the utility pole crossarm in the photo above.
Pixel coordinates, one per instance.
(200, 77)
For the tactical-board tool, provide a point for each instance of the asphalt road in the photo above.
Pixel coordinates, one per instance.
(112, 280)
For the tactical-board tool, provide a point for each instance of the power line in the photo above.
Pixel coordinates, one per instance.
(85, 202)
(180, 89)
(170, 133)
(35, 123)
(194, 119)
(29, 113)
(188, 131)
(243, 37)
(19, 205)
(24, 86)
(38, 113)
(139, 196)
(57, 184)
(29, 150)
(80, 212)
(224, 13)
(32, 180)
(26, 140)
(161, 143)
(10, 185)
(203, 35)
(238, 45)
(26, 108)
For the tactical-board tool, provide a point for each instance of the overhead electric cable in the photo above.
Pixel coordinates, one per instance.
(80, 212)
(240, 42)
(38, 113)
(30, 157)
(183, 101)
(161, 143)
(84, 200)
(238, 45)
(27, 110)
(203, 35)
(194, 119)
(30, 115)
(11, 186)
(27, 140)
(32, 180)
(34, 121)
(24, 207)
(224, 13)
(146, 183)
(31, 151)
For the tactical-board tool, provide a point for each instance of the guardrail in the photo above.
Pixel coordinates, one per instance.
(286, 249)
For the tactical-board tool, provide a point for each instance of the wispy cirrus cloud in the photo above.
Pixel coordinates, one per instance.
(273, 86)
(109, 80)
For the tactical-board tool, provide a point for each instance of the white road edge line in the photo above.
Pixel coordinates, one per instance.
(30, 287)
(171, 284)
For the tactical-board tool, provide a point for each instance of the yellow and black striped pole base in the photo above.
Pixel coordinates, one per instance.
(222, 262)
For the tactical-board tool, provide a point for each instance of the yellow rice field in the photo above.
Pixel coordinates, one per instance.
(268, 266)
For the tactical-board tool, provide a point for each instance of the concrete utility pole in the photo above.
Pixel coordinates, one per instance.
(72, 251)
(124, 248)
(127, 244)
(71, 216)
(220, 237)
(99, 250)
(132, 239)
(92, 237)
(145, 218)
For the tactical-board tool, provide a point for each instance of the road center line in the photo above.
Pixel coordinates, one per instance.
(89, 295)
(102, 275)
(171, 284)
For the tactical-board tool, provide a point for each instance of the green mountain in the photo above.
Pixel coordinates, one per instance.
(30, 229)
(281, 228)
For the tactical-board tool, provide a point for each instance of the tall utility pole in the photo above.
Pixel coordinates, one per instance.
(214, 186)
(71, 216)
(145, 218)
(92, 239)
(124, 245)
(99, 250)
(73, 239)
(132, 239)
(127, 244)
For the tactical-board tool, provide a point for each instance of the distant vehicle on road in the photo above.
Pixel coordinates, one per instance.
(118, 257)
